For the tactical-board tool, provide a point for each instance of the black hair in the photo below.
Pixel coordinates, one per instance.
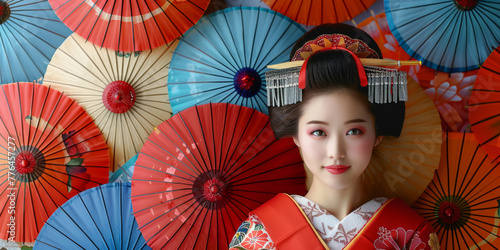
(332, 70)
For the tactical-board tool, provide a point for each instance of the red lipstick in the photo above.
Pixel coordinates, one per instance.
(337, 169)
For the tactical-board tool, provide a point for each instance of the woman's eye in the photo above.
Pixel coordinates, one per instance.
(318, 133)
(354, 131)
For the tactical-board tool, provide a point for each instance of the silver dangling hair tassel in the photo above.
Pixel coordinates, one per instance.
(384, 86)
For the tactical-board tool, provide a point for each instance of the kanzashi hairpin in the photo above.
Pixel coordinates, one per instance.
(385, 85)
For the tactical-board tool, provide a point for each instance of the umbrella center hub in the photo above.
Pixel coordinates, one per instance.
(25, 162)
(453, 212)
(4, 12)
(466, 4)
(212, 189)
(247, 82)
(118, 97)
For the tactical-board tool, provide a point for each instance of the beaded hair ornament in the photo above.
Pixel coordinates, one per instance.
(286, 81)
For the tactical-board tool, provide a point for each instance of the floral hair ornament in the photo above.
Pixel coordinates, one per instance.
(286, 80)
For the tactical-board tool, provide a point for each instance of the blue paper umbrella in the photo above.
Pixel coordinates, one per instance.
(98, 218)
(446, 35)
(30, 33)
(223, 57)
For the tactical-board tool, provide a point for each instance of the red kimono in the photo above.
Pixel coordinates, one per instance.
(393, 226)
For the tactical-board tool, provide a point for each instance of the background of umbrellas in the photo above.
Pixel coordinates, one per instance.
(450, 73)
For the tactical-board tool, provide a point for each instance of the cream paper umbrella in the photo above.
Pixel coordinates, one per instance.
(404, 166)
(126, 93)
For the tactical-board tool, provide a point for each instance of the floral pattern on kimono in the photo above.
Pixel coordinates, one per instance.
(334, 232)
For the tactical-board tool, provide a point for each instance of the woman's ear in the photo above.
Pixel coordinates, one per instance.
(378, 140)
(296, 140)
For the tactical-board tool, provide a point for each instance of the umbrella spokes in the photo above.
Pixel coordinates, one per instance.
(4, 12)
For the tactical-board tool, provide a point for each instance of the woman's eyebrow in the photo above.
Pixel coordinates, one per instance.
(317, 122)
(355, 121)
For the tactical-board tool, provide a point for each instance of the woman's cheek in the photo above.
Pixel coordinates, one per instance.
(363, 147)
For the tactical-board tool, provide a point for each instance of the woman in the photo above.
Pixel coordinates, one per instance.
(336, 129)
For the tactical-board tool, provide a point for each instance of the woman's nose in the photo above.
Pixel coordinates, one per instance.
(336, 148)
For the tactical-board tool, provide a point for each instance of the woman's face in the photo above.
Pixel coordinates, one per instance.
(336, 135)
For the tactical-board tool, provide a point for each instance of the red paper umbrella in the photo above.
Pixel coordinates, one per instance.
(50, 150)
(462, 201)
(201, 172)
(129, 25)
(311, 12)
(484, 106)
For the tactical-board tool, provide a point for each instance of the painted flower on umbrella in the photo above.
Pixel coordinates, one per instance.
(77, 175)
(450, 93)
(398, 239)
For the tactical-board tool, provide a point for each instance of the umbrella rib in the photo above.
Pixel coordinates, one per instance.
(158, 204)
(462, 144)
(147, 111)
(170, 20)
(61, 233)
(164, 163)
(454, 13)
(96, 20)
(207, 165)
(172, 220)
(205, 64)
(253, 38)
(200, 228)
(242, 63)
(219, 165)
(483, 238)
(225, 65)
(75, 9)
(476, 170)
(9, 64)
(125, 122)
(107, 214)
(201, 73)
(461, 18)
(225, 162)
(183, 224)
(283, 151)
(143, 24)
(483, 15)
(143, 79)
(185, 156)
(268, 31)
(84, 140)
(132, 20)
(93, 220)
(237, 66)
(21, 111)
(116, 122)
(11, 114)
(266, 171)
(249, 145)
(193, 140)
(424, 5)
(62, 142)
(100, 57)
(24, 50)
(214, 165)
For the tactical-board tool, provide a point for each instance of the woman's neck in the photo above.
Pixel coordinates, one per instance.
(338, 202)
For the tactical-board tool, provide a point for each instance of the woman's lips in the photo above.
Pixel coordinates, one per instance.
(337, 169)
